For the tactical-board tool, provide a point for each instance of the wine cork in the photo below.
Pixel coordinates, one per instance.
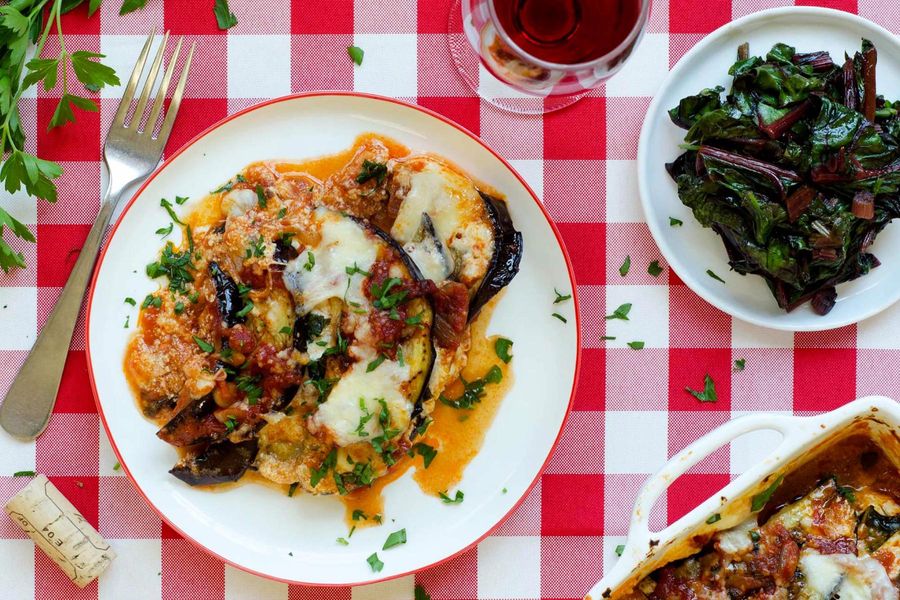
(60, 531)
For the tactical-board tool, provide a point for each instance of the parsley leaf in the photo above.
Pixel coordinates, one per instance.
(620, 313)
(759, 500)
(426, 452)
(169, 209)
(654, 268)
(372, 170)
(356, 54)
(130, 301)
(473, 391)
(131, 6)
(714, 518)
(739, 364)
(637, 345)
(93, 74)
(561, 297)
(261, 199)
(395, 539)
(448, 500)
(225, 19)
(709, 390)
(165, 231)
(310, 261)
(673, 222)
(421, 594)
(620, 549)
(24, 474)
(375, 563)
(204, 345)
(502, 347)
(626, 266)
(375, 363)
(714, 276)
(560, 317)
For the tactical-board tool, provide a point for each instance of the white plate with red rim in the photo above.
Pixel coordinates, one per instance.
(257, 528)
(692, 249)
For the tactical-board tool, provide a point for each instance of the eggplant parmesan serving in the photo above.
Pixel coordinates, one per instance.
(316, 315)
(828, 531)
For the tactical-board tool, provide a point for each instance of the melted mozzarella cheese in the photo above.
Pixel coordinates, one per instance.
(343, 244)
(237, 202)
(457, 213)
(845, 576)
(341, 414)
(737, 539)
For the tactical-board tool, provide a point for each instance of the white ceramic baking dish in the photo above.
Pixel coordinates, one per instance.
(802, 438)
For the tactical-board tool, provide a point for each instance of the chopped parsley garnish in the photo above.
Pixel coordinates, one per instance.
(127, 321)
(561, 297)
(179, 307)
(626, 266)
(230, 424)
(560, 317)
(375, 363)
(395, 539)
(151, 300)
(654, 268)
(620, 313)
(372, 170)
(715, 518)
(415, 319)
(754, 536)
(384, 299)
(287, 330)
(342, 542)
(714, 276)
(24, 474)
(204, 345)
(248, 385)
(282, 212)
(501, 348)
(739, 364)
(310, 261)
(179, 200)
(257, 247)
(292, 488)
(421, 428)
(225, 19)
(426, 452)
(620, 549)
(177, 266)
(356, 54)
(339, 348)
(261, 200)
(473, 391)
(130, 301)
(117, 466)
(420, 593)
(608, 337)
(709, 390)
(246, 310)
(322, 471)
(356, 270)
(673, 222)
(448, 500)
(759, 500)
(636, 345)
(359, 515)
(377, 519)
(168, 206)
(381, 442)
(364, 418)
(847, 492)
(373, 560)
(165, 231)
(194, 297)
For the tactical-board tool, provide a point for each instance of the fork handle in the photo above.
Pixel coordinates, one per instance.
(26, 410)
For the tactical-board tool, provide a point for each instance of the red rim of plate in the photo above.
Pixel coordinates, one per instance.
(207, 131)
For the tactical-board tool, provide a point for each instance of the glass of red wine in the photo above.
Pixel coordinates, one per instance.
(537, 56)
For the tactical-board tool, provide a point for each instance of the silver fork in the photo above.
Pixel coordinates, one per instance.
(130, 154)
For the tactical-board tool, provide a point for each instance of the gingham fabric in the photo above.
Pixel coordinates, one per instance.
(631, 412)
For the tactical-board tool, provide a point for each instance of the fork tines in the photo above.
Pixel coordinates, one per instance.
(169, 117)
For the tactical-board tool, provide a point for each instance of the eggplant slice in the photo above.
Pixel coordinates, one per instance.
(508, 248)
(217, 463)
(194, 424)
(453, 230)
(227, 295)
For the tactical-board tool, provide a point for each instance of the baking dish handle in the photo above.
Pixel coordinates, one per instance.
(678, 465)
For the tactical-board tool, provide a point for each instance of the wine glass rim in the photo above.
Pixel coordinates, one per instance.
(632, 35)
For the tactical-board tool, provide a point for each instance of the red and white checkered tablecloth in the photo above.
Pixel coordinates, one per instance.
(631, 412)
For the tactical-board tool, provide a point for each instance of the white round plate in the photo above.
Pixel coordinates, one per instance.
(692, 249)
(259, 529)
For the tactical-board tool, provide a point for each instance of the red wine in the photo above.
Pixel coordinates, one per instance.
(567, 31)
